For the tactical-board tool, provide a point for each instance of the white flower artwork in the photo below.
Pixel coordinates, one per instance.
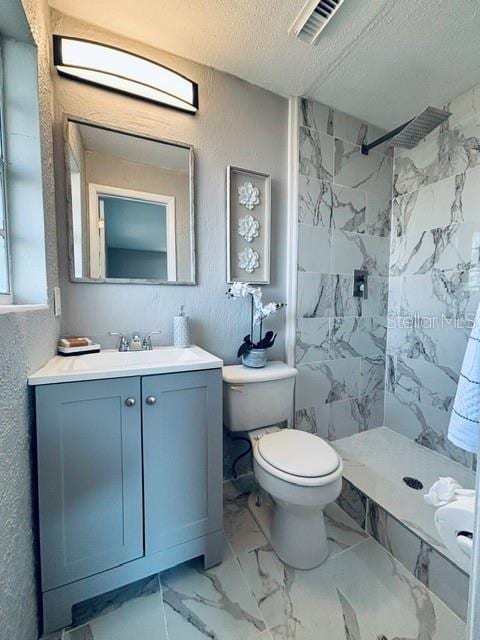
(248, 260)
(248, 228)
(248, 195)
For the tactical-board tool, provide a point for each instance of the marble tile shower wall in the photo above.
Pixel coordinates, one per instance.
(434, 275)
(344, 224)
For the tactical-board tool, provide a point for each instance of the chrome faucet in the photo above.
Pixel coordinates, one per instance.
(147, 341)
(123, 344)
(135, 343)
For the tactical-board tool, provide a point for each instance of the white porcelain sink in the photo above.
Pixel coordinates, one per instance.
(116, 364)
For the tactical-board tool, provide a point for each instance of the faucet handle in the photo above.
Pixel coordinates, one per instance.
(147, 341)
(123, 344)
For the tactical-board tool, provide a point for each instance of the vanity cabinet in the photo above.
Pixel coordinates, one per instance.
(130, 481)
(90, 477)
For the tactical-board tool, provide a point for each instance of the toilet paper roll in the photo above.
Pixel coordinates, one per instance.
(181, 331)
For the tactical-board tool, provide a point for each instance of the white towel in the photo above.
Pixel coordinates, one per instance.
(464, 428)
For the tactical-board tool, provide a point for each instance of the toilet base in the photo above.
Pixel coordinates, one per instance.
(300, 541)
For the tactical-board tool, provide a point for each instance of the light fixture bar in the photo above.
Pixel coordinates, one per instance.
(124, 72)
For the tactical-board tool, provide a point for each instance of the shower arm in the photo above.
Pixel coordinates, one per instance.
(387, 136)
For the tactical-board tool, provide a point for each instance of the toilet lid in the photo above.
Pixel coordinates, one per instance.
(298, 453)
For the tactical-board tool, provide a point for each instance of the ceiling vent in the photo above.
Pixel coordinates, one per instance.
(313, 18)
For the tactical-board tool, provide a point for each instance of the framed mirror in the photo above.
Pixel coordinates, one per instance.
(130, 207)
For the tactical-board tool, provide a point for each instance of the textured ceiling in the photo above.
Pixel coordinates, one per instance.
(381, 60)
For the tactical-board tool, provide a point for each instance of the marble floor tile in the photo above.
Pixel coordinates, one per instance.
(216, 603)
(360, 594)
(113, 600)
(140, 619)
(240, 528)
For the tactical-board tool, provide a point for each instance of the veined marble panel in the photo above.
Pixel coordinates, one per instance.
(353, 502)
(352, 337)
(439, 345)
(441, 295)
(377, 302)
(437, 573)
(424, 424)
(451, 248)
(364, 593)
(347, 417)
(372, 377)
(438, 157)
(464, 106)
(312, 340)
(315, 201)
(314, 295)
(349, 207)
(330, 295)
(394, 296)
(216, 603)
(322, 382)
(449, 201)
(354, 130)
(378, 210)
(314, 249)
(316, 115)
(356, 251)
(420, 381)
(371, 173)
(316, 154)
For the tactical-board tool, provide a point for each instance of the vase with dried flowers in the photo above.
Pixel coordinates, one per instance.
(254, 354)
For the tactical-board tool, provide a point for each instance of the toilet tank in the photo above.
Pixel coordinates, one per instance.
(255, 398)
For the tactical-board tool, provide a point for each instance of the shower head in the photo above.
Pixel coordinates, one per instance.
(408, 135)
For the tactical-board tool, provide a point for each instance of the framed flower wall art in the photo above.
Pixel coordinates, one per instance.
(248, 226)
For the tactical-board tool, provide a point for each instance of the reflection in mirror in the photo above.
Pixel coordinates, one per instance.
(131, 217)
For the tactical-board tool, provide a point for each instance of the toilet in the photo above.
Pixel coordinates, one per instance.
(299, 473)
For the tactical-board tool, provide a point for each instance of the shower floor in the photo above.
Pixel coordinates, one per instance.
(359, 593)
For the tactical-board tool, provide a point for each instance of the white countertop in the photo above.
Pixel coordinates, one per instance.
(115, 364)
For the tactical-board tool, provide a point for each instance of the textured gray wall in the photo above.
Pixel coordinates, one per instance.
(27, 340)
(237, 124)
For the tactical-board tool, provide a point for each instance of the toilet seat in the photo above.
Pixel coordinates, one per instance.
(298, 458)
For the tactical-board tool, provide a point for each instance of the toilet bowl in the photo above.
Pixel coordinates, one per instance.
(300, 472)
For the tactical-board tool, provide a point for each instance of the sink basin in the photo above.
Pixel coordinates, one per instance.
(116, 364)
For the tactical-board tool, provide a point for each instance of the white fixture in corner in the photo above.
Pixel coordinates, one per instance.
(313, 18)
(300, 472)
(454, 523)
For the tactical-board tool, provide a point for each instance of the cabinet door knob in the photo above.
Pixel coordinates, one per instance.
(130, 402)
(151, 400)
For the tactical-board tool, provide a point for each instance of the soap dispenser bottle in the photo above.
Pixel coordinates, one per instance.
(181, 330)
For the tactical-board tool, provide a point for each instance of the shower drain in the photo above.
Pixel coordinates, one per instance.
(413, 483)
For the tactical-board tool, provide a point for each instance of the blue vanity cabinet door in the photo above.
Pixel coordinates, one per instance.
(182, 452)
(90, 477)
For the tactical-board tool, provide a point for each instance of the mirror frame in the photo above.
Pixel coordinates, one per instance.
(68, 192)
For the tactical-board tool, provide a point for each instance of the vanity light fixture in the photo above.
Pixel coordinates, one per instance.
(124, 72)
